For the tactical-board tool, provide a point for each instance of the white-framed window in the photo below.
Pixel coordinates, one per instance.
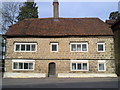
(25, 47)
(100, 47)
(101, 65)
(54, 47)
(23, 64)
(79, 47)
(79, 65)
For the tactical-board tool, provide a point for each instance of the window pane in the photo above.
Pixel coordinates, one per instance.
(33, 47)
(84, 47)
(100, 47)
(101, 66)
(78, 47)
(73, 47)
(15, 65)
(27, 47)
(25, 65)
(54, 47)
(73, 66)
(22, 47)
(17, 47)
(20, 65)
(79, 66)
(84, 66)
(30, 65)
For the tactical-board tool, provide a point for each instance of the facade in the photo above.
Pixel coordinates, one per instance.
(116, 31)
(59, 47)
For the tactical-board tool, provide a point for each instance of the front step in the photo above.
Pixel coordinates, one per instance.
(52, 76)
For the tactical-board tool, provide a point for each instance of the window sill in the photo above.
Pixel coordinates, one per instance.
(79, 70)
(23, 70)
(24, 51)
(101, 70)
(78, 51)
(100, 51)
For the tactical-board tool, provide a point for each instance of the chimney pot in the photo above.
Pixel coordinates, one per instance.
(56, 8)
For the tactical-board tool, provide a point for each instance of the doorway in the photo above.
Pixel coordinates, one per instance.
(52, 69)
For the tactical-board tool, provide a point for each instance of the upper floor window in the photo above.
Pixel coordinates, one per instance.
(54, 47)
(79, 47)
(101, 47)
(25, 47)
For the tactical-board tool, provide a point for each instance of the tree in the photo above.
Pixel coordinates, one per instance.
(28, 10)
(114, 15)
(9, 11)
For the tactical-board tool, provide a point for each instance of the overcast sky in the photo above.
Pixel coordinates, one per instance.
(78, 9)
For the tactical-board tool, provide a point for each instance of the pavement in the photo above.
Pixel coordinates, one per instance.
(61, 83)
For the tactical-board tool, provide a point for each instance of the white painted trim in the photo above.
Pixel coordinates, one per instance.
(23, 61)
(102, 62)
(79, 61)
(82, 75)
(24, 75)
(51, 47)
(103, 47)
(25, 47)
(81, 47)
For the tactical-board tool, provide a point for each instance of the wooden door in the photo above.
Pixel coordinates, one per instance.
(52, 69)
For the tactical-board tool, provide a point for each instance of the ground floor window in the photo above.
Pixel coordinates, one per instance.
(79, 65)
(23, 64)
(101, 65)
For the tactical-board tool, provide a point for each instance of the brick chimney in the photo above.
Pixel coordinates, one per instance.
(56, 9)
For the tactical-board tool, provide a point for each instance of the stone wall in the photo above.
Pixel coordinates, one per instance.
(63, 66)
(43, 48)
(62, 58)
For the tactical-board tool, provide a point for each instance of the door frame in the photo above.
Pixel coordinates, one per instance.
(51, 68)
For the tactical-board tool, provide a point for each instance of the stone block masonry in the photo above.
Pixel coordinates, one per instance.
(43, 48)
(62, 59)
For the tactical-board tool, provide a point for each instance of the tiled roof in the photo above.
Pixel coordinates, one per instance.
(59, 27)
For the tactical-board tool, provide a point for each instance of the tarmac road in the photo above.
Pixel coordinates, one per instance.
(61, 83)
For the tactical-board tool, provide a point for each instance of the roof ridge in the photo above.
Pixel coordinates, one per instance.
(60, 18)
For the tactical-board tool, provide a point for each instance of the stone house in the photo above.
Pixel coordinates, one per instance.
(61, 47)
(116, 30)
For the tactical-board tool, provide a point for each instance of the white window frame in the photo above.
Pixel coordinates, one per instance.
(103, 47)
(25, 47)
(79, 61)
(81, 47)
(23, 61)
(51, 47)
(102, 62)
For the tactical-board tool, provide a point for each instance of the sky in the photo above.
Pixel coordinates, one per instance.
(78, 9)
